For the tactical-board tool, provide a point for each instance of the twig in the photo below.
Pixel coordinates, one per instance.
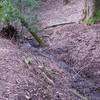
(78, 94)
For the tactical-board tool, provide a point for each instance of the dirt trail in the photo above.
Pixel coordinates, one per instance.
(53, 12)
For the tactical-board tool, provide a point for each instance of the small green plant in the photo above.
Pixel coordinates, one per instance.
(94, 19)
(89, 21)
(28, 60)
(14, 10)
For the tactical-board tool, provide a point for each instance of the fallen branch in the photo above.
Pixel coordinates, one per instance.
(78, 94)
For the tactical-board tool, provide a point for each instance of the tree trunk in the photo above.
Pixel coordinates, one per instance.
(89, 9)
(25, 24)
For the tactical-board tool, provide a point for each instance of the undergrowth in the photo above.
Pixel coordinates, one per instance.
(21, 11)
(94, 19)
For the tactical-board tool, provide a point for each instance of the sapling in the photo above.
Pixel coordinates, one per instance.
(12, 10)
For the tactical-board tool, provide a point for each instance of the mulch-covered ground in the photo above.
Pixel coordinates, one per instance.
(76, 48)
(40, 79)
(66, 67)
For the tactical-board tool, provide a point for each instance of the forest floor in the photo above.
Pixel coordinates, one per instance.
(76, 50)
(66, 67)
(55, 12)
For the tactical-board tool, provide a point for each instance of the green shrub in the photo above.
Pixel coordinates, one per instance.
(19, 10)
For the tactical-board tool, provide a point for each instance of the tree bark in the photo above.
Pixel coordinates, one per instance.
(89, 9)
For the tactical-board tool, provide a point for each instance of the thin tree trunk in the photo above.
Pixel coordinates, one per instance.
(25, 24)
(89, 9)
